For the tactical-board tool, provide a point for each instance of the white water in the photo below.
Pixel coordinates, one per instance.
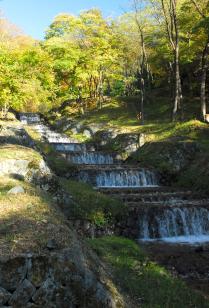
(68, 147)
(126, 178)
(90, 158)
(30, 118)
(175, 225)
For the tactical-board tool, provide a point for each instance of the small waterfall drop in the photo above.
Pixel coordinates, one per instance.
(175, 224)
(90, 158)
(126, 178)
(30, 118)
(70, 147)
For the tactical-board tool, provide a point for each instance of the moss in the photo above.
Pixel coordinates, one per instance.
(91, 205)
(197, 174)
(148, 284)
(10, 151)
(60, 165)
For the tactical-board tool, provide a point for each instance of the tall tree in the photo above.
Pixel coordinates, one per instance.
(169, 9)
(203, 9)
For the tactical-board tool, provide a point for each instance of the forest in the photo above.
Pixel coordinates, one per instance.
(157, 45)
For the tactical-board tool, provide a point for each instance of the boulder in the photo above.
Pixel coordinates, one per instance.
(4, 296)
(38, 270)
(16, 190)
(14, 166)
(12, 272)
(45, 293)
(23, 294)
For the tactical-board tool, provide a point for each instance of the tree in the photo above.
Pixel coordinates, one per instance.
(202, 9)
(169, 11)
(84, 52)
(26, 75)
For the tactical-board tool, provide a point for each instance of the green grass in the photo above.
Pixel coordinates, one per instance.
(121, 114)
(9, 151)
(91, 205)
(88, 204)
(29, 220)
(164, 139)
(148, 284)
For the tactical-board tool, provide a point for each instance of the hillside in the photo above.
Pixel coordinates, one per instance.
(178, 150)
(37, 227)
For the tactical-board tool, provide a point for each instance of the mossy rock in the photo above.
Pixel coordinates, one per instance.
(170, 158)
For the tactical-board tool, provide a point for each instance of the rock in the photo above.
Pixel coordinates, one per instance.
(38, 270)
(87, 133)
(51, 244)
(103, 296)
(12, 272)
(4, 296)
(199, 249)
(23, 294)
(9, 116)
(207, 117)
(16, 190)
(142, 139)
(45, 293)
(14, 166)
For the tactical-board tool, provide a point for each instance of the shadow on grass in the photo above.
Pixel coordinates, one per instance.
(29, 220)
(147, 283)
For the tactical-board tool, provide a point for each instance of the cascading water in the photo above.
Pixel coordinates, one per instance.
(126, 178)
(70, 147)
(90, 158)
(175, 224)
(29, 118)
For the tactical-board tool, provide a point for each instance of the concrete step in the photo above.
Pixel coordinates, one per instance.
(119, 167)
(91, 158)
(72, 147)
(154, 196)
(178, 203)
(137, 190)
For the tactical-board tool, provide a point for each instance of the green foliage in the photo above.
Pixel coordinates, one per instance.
(146, 283)
(93, 206)
(92, 56)
(84, 52)
(27, 78)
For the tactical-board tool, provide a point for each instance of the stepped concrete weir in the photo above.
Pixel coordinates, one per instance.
(117, 176)
(183, 224)
(29, 118)
(91, 158)
(73, 147)
(155, 213)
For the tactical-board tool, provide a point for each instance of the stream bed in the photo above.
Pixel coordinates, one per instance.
(188, 262)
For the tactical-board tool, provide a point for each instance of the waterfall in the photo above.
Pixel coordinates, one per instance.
(69, 147)
(126, 178)
(29, 118)
(175, 224)
(90, 158)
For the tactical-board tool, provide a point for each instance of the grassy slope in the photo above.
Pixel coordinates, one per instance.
(88, 204)
(148, 284)
(91, 205)
(28, 220)
(161, 134)
(121, 114)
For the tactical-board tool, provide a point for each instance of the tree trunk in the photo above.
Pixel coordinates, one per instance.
(142, 100)
(177, 100)
(203, 81)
